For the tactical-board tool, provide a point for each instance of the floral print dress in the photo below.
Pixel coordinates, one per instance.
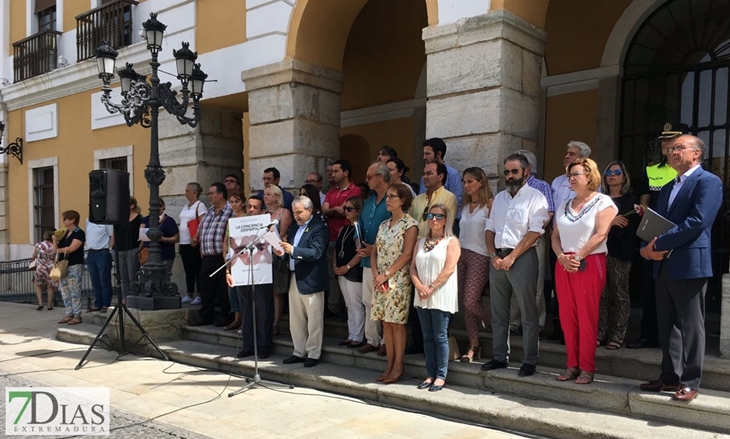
(392, 305)
(45, 256)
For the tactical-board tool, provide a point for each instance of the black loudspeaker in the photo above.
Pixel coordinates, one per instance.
(109, 196)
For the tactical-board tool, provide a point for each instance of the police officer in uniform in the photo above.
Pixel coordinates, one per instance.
(654, 178)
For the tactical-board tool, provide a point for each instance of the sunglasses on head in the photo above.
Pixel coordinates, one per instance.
(609, 172)
(438, 216)
(512, 171)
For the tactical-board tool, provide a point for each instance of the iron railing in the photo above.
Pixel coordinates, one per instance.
(16, 283)
(35, 55)
(111, 22)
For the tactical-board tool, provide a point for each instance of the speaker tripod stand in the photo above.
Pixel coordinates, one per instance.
(119, 311)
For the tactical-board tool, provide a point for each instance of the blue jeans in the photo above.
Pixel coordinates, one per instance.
(99, 265)
(435, 327)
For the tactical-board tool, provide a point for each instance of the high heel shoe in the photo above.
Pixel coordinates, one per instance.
(394, 380)
(476, 354)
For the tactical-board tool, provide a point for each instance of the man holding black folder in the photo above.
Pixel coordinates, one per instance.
(682, 265)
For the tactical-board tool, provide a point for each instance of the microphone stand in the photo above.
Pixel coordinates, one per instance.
(256, 379)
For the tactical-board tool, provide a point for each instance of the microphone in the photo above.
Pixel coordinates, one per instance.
(272, 224)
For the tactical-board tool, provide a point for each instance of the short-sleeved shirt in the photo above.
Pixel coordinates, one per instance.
(561, 190)
(212, 230)
(187, 214)
(337, 197)
(422, 205)
(544, 188)
(372, 215)
(512, 218)
(576, 228)
(76, 257)
(98, 236)
(452, 184)
(168, 229)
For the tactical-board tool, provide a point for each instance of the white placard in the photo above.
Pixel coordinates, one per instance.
(243, 231)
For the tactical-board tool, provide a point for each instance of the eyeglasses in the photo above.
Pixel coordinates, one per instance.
(677, 148)
(609, 172)
(512, 171)
(390, 196)
(348, 208)
(576, 175)
(438, 216)
(311, 181)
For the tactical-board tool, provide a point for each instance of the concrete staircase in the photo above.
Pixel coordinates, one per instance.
(611, 407)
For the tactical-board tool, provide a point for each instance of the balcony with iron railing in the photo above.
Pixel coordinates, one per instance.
(111, 22)
(35, 55)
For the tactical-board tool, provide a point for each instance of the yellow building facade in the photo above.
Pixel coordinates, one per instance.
(295, 84)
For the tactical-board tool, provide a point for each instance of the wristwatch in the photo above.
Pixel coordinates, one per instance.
(491, 255)
(387, 273)
(348, 266)
(577, 258)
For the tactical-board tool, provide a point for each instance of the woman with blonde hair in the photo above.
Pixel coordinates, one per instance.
(433, 272)
(473, 273)
(274, 201)
(579, 239)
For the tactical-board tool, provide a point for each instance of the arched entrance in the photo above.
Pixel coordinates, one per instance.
(676, 70)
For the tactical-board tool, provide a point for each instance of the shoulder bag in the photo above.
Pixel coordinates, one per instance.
(60, 268)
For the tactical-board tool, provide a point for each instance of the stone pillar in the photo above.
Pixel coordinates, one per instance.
(294, 110)
(483, 84)
(204, 154)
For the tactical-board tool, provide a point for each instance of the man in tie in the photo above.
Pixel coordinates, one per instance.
(682, 264)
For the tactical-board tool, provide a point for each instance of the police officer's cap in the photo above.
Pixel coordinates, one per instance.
(671, 131)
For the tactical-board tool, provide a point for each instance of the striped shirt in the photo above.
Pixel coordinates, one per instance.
(212, 230)
(543, 187)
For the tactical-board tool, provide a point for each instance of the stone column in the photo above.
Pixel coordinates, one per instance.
(294, 110)
(204, 154)
(483, 84)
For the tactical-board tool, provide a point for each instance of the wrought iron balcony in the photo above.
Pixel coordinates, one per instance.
(35, 55)
(111, 22)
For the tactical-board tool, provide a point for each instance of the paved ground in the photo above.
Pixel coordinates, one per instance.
(158, 399)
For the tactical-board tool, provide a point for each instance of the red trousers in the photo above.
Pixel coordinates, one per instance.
(579, 297)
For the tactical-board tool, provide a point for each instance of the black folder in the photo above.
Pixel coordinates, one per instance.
(653, 225)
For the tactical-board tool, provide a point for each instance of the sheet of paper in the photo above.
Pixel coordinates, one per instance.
(272, 237)
(143, 234)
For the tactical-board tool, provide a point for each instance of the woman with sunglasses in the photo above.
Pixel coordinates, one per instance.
(391, 283)
(433, 272)
(349, 273)
(473, 276)
(615, 304)
(579, 240)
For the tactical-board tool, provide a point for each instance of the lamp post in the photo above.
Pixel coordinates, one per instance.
(140, 103)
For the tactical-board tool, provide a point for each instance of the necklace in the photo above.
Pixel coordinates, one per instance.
(429, 243)
(341, 254)
(573, 218)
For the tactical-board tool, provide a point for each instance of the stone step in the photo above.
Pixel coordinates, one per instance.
(535, 405)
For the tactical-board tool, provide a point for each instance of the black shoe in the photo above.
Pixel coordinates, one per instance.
(494, 364)
(643, 343)
(414, 350)
(436, 388)
(424, 385)
(264, 354)
(311, 362)
(516, 331)
(245, 353)
(293, 359)
(526, 370)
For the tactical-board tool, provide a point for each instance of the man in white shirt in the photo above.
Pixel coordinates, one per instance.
(99, 240)
(515, 222)
(561, 192)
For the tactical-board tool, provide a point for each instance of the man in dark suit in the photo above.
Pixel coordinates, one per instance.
(306, 250)
(682, 265)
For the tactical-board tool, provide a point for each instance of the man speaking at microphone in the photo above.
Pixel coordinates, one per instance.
(306, 249)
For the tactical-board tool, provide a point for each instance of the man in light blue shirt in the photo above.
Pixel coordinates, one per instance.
(434, 151)
(372, 215)
(99, 239)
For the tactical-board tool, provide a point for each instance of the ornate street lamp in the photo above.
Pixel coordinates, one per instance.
(15, 149)
(141, 101)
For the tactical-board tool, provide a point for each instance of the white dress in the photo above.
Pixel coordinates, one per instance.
(429, 266)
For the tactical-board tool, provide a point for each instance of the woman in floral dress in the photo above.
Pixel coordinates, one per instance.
(390, 266)
(44, 255)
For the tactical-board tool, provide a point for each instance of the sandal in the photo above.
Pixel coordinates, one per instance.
(584, 378)
(615, 345)
(569, 374)
(232, 326)
(65, 319)
(75, 321)
(40, 307)
(476, 354)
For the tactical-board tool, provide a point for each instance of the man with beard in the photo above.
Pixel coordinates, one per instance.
(515, 222)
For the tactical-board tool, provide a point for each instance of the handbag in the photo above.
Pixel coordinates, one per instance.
(31, 265)
(454, 353)
(143, 255)
(60, 268)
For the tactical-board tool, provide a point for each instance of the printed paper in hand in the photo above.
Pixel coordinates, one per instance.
(273, 238)
(143, 234)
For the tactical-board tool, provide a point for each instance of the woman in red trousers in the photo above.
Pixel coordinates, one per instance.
(579, 239)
